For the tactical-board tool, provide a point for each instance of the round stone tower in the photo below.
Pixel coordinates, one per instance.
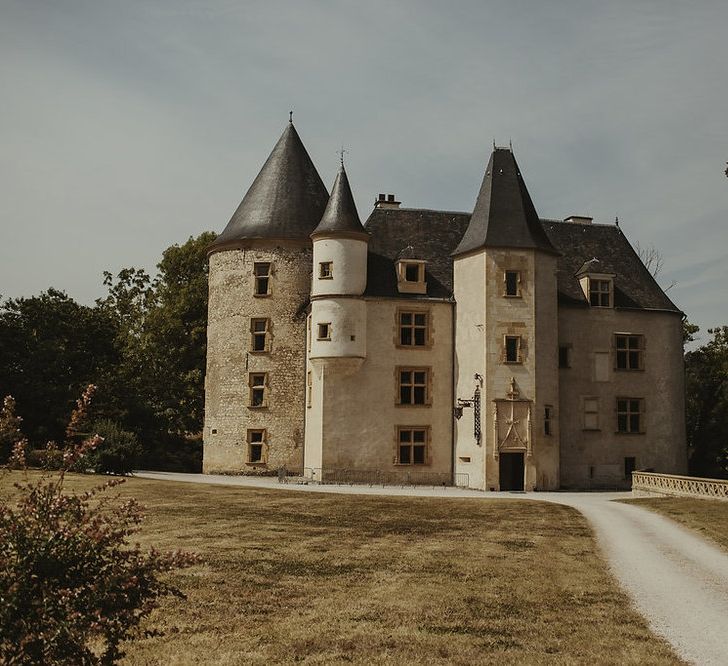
(338, 313)
(259, 281)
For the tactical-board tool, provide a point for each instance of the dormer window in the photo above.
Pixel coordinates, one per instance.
(600, 293)
(411, 276)
(597, 284)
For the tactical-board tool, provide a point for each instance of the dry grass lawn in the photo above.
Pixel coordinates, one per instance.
(709, 517)
(321, 578)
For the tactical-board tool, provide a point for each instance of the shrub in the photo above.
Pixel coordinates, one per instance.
(72, 588)
(118, 453)
(49, 458)
(9, 428)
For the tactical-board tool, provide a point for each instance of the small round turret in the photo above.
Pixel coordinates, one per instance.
(338, 314)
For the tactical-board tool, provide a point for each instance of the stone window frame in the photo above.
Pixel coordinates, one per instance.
(633, 357)
(548, 417)
(519, 349)
(627, 412)
(426, 385)
(413, 327)
(258, 277)
(323, 334)
(258, 382)
(598, 294)
(255, 335)
(590, 412)
(262, 459)
(309, 333)
(425, 445)
(326, 270)
(309, 388)
(519, 276)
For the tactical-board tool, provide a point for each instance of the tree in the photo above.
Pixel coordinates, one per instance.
(158, 388)
(652, 258)
(177, 333)
(707, 405)
(51, 347)
(72, 588)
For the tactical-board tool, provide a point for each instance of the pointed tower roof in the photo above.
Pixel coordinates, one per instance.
(504, 215)
(285, 201)
(340, 216)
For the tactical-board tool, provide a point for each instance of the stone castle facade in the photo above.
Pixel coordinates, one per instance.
(495, 350)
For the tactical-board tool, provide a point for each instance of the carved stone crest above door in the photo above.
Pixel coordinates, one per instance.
(512, 422)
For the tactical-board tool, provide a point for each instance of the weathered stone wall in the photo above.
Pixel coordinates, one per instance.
(484, 317)
(232, 304)
(595, 458)
(533, 317)
(546, 447)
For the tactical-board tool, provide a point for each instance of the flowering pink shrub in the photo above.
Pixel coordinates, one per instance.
(72, 588)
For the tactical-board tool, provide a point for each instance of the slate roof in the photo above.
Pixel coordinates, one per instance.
(504, 215)
(416, 234)
(634, 286)
(432, 236)
(341, 215)
(285, 201)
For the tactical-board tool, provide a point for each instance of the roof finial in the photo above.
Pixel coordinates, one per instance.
(340, 153)
(493, 143)
(510, 144)
(616, 220)
(290, 117)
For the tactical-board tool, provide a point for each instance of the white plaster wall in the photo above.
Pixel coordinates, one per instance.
(313, 451)
(469, 288)
(349, 266)
(361, 414)
(348, 328)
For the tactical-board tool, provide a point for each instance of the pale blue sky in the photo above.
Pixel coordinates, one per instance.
(128, 126)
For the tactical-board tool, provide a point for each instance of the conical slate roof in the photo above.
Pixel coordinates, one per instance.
(340, 216)
(285, 201)
(504, 215)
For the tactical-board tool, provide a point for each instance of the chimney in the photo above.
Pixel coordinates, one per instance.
(578, 219)
(386, 201)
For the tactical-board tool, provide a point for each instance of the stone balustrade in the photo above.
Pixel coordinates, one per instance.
(649, 483)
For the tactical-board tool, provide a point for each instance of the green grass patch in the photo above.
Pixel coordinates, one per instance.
(709, 517)
(319, 578)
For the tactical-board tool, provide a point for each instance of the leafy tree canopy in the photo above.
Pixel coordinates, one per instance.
(50, 348)
(706, 378)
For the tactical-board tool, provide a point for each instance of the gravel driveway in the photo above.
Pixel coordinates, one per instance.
(677, 580)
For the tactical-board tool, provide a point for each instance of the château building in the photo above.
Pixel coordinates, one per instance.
(495, 350)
